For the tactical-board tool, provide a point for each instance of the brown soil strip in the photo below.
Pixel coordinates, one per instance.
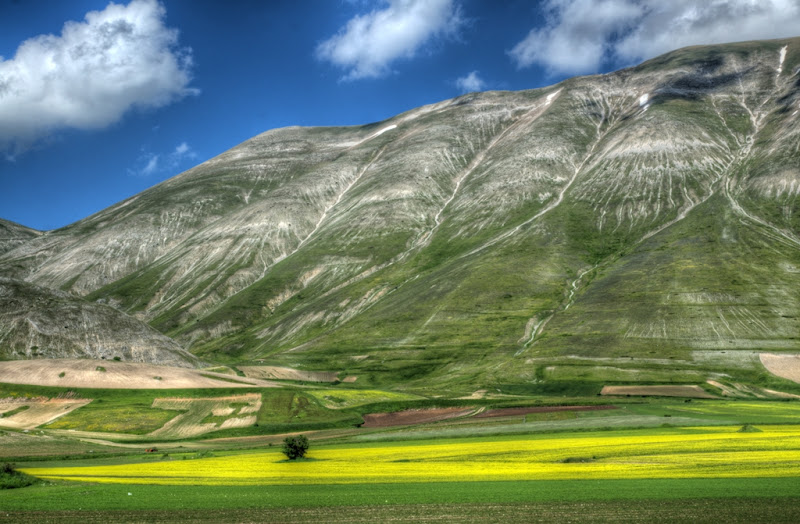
(657, 391)
(785, 366)
(413, 416)
(88, 373)
(509, 412)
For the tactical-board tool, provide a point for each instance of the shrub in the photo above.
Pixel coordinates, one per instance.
(747, 428)
(10, 478)
(295, 447)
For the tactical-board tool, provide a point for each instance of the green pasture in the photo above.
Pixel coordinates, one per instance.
(98, 497)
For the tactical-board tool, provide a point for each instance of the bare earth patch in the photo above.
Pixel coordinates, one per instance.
(510, 412)
(281, 373)
(88, 373)
(413, 416)
(37, 411)
(476, 395)
(784, 366)
(240, 410)
(658, 391)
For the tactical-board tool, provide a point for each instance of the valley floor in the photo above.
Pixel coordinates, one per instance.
(694, 474)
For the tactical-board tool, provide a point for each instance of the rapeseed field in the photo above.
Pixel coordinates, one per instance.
(710, 452)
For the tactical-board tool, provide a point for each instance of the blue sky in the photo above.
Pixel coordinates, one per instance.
(100, 101)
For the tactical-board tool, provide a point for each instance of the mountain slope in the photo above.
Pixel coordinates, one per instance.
(649, 213)
(36, 322)
(13, 235)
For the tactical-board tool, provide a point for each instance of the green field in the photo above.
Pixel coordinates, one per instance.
(671, 459)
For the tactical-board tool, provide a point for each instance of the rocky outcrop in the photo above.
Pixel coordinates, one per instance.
(37, 322)
(13, 235)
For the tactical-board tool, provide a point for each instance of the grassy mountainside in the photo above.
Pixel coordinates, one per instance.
(649, 214)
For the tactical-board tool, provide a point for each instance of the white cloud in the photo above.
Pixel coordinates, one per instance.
(150, 163)
(579, 36)
(182, 149)
(151, 166)
(369, 43)
(91, 74)
(471, 82)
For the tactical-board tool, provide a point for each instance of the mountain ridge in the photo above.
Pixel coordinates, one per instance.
(463, 238)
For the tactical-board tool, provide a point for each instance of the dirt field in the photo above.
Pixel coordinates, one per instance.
(413, 416)
(86, 373)
(19, 444)
(240, 411)
(280, 373)
(785, 366)
(510, 412)
(657, 391)
(38, 411)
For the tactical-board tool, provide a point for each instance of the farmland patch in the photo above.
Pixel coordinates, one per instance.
(347, 398)
(510, 412)
(658, 391)
(203, 415)
(28, 413)
(414, 416)
(283, 373)
(700, 452)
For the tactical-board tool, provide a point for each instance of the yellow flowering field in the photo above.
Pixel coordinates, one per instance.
(713, 452)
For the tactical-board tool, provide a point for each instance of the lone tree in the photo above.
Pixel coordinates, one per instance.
(295, 447)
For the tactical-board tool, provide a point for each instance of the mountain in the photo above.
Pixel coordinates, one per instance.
(637, 226)
(13, 235)
(37, 322)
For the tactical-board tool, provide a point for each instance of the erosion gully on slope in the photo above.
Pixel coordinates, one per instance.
(537, 323)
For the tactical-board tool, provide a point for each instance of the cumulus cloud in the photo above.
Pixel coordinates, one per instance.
(92, 73)
(368, 44)
(579, 36)
(471, 82)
